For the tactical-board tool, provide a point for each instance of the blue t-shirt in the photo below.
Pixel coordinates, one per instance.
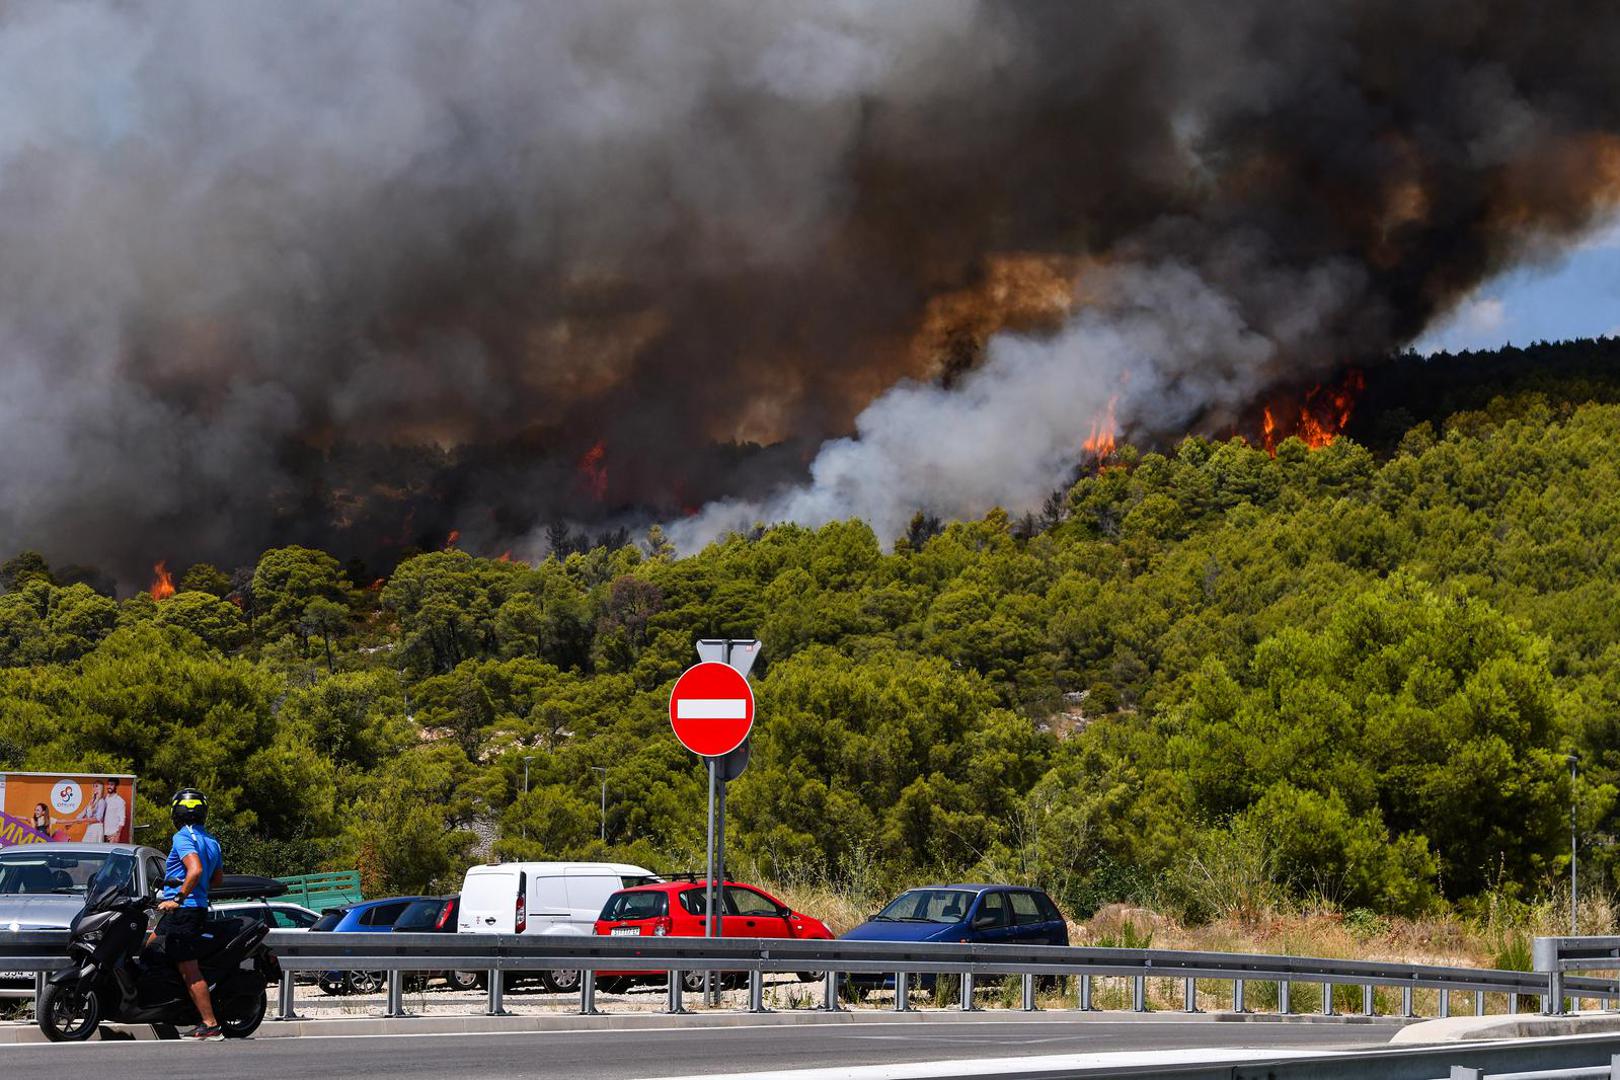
(191, 840)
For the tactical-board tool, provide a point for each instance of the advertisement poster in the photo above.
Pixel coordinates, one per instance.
(38, 808)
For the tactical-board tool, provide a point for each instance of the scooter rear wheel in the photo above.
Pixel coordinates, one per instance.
(69, 1012)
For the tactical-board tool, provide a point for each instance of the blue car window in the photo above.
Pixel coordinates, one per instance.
(928, 905)
(1026, 909)
(993, 907)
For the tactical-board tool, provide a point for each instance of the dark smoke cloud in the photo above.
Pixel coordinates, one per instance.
(355, 274)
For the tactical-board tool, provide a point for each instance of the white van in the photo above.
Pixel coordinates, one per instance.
(543, 898)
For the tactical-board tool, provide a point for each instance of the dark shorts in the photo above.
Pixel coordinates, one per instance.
(182, 933)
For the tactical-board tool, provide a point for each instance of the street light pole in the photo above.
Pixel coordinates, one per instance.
(1574, 925)
(526, 760)
(603, 771)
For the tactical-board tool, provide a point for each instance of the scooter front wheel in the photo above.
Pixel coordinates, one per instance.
(69, 1012)
(246, 1020)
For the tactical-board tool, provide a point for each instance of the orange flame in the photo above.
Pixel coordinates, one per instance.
(377, 585)
(450, 541)
(594, 472)
(1322, 414)
(505, 556)
(162, 584)
(1101, 439)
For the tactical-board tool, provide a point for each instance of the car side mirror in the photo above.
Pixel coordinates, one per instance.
(784, 913)
(981, 922)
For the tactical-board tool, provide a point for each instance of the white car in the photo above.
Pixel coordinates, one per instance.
(544, 898)
(283, 915)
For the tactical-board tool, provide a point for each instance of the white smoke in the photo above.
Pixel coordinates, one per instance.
(1157, 348)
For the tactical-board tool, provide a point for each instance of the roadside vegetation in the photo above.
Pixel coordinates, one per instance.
(1320, 701)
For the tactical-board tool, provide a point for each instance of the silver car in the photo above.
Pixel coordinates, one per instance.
(42, 886)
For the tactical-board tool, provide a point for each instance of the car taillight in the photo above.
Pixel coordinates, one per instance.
(444, 915)
(520, 921)
(661, 927)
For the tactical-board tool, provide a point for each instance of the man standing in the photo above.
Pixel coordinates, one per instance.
(114, 815)
(196, 861)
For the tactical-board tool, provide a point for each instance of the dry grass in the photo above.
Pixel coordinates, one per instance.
(1492, 939)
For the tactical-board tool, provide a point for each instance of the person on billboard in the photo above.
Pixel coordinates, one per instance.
(114, 815)
(90, 816)
(198, 864)
(46, 826)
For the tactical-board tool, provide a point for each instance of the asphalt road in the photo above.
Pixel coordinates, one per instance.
(627, 1055)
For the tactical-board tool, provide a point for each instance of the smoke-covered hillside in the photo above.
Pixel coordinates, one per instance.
(1333, 675)
(359, 275)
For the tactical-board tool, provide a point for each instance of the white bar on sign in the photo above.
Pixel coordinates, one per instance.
(711, 709)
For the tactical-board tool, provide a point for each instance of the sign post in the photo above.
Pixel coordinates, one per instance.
(711, 711)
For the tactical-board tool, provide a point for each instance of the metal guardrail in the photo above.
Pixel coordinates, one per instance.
(1554, 957)
(840, 960)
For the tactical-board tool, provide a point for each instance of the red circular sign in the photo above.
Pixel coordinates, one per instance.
(711, 709)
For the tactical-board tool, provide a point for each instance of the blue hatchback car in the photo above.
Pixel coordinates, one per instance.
(368, 916)
(979, 914)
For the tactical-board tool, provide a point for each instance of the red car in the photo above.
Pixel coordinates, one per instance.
(676, 909)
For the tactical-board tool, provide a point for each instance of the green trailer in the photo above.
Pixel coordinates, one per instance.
(321, 891)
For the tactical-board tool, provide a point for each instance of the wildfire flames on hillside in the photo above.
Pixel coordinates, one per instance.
(162, 586)
(1317, 417)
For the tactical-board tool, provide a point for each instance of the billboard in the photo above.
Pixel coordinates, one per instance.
(38, 808)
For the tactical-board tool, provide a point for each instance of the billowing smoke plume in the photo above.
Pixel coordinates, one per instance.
(357, 274)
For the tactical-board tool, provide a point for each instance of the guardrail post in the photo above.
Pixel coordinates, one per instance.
(1464, 1072)
(1513, 1004)
(1285, 995)
(1553, 1005)
(1237, 996)
(672, 1002)
(1327, 999)
(831, 1004)
(396, 995)
(902, 991)
(1139, 993)
(1369, 1001)
(1189, 1001)
(756, 991)
(1479, 1003)
(1445, 1004)
(497, 994)
(1029, 993)
(587, 993)
(1406, 1001)
(967, 991)
(284, 998)
(1085, 994)
(39, 993)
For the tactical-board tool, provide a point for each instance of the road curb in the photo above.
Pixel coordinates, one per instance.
(1529, 1026)
(473, 1024)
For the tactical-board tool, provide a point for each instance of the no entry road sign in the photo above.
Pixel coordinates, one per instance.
(711, 709)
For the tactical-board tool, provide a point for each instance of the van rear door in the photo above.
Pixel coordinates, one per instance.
(589, 889)
(489, 901)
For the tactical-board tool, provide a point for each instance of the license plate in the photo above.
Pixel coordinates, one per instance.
(626, 931)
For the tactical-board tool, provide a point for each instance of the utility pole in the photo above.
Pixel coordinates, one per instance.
(1574, 924)
(603, 771)
(526, 760)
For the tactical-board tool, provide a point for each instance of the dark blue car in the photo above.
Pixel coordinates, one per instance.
(980, 914)
(368, 916)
